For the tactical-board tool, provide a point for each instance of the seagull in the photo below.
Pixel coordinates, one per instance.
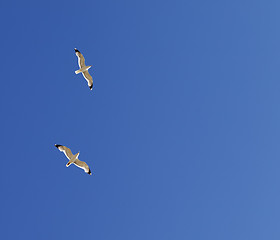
(73, 158)
(84, 69)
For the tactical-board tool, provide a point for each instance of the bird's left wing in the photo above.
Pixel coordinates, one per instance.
(65, 150)
(88, 77)
(81, 59)
(82, 165)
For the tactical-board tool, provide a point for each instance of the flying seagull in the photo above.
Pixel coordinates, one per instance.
(84, 69)
(73, 158)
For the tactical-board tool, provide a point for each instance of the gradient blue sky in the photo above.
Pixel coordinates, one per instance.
(181, 130)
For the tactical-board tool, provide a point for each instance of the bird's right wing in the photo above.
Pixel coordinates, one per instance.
(65, 150)
(81, 59)
(88, 77)
(82, 165)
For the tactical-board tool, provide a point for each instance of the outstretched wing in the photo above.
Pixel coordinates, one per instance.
(81, 59)
(88, 77)
(82, 165)
(65, 150)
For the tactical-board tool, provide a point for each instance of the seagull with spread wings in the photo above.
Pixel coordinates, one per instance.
(73, 158)
(84, 69)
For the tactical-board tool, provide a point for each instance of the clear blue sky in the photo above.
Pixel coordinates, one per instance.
(181, 130)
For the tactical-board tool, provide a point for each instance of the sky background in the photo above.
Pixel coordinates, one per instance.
(181, 130)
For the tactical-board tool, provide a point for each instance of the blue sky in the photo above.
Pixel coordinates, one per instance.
(181, 130)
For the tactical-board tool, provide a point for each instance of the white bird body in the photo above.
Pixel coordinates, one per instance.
(81, 70)
(73, 158)
(84, 69)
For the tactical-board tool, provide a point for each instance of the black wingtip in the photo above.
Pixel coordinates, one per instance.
(57, 145)
(89, 172)
(90, 87)
(76, 50)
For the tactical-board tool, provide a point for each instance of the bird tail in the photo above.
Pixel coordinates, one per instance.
(76, 155)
